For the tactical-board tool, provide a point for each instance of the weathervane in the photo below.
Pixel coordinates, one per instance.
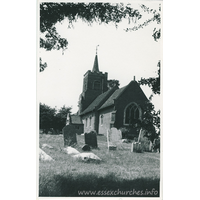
(96, 48)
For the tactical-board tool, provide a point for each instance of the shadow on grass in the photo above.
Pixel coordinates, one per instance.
(70, 185)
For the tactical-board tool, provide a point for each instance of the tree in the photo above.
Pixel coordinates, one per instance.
(46, 117)
(112, 83)
(60, 118)
(52, 13)
(151, 118)
(42, 65)
(156, 17)
(51, 118)
(151, 121)
(152, 82)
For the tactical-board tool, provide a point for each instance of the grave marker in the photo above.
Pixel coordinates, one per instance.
(138, 146)
(147, 144)
(114, 139)
(91, 139)
(69, 134)
(86, 147)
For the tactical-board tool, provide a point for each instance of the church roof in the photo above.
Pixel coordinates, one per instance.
(115, 95)
(96, 65)
(98, 101)
(75, 119)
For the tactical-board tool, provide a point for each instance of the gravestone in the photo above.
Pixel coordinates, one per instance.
(138, 146)
(91, 139)
(69, 134)
(156, 145)
(44, 157)
(147, 144)
(114, 139)
(150, 145)
(87, 157)
(71, 151)
(86, 147)
(46, 145)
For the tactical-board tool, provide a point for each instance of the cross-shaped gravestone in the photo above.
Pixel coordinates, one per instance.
(114, 139)
(69, 134)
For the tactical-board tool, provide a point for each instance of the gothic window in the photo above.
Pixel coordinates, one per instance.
(132, 114)
(97, 85)
(90, 121)
(101, 119)
(113, 116)
(86, 122)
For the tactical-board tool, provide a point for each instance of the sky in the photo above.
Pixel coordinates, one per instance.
(121, 54)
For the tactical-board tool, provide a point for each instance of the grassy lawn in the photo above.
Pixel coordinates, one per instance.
(120, 173)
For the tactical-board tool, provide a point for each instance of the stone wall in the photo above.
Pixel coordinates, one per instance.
(107, 123)
(90, 125)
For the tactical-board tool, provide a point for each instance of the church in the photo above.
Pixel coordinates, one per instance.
(103, 105)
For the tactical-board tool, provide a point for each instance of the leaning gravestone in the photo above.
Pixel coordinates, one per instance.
(150, 145)
(69, 134)
(44, 157)
(114, 139)
(87, 157)
(138, 146)
(70, 151)
(91, 139)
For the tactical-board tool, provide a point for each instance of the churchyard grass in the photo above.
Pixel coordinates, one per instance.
(119, 171)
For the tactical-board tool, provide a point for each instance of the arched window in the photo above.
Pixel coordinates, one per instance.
(101, 119)
(132, 114)
(90, 121)
(97, 85)
(113, 116)
(86, 122)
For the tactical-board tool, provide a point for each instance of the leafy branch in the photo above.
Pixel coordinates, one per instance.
(152, 82)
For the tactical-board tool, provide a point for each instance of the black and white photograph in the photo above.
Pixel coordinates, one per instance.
(99, 98)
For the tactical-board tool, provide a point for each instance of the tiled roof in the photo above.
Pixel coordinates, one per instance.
(110, 100)
(97, 102)
(76, 119)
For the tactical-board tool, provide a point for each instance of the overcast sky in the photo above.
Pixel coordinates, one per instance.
(122, 54)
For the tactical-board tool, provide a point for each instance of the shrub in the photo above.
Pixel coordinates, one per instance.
(125, 131)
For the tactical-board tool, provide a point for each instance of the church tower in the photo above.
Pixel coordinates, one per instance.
(94, 84)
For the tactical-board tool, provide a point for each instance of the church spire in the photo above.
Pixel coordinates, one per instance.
(96, 65)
